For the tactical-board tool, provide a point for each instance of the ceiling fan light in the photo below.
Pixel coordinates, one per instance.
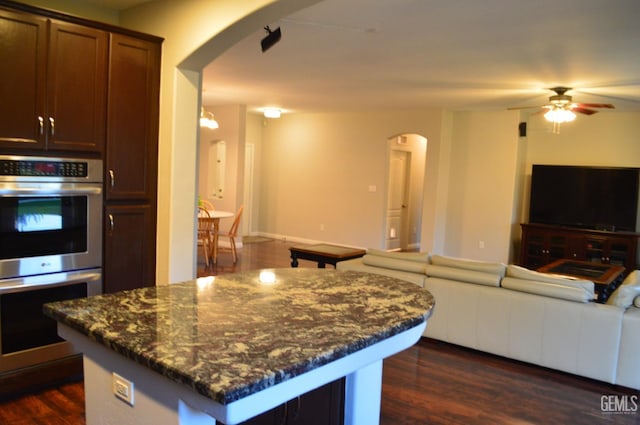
(560, 115)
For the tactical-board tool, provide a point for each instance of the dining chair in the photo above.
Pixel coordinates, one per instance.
(204, 233)
(206, 204)
(231, 235)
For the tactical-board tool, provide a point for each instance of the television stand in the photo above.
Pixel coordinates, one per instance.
(543, 244)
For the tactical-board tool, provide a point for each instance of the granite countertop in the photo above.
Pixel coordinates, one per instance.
(231, 336)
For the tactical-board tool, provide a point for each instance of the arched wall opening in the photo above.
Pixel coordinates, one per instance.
(406, 159)
(195, 33)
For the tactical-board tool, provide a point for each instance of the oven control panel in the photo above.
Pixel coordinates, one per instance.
(43, 168)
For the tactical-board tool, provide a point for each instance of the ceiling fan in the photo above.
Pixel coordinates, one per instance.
(563, 101)
(561, 107)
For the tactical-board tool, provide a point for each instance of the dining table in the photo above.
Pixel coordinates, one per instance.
(215, 216)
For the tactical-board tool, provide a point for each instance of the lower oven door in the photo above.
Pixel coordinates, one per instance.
(27, 336)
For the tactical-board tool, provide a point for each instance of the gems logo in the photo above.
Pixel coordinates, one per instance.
(619, 404)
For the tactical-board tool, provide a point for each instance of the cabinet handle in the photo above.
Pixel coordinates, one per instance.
(112, 178)
(111, 223)
(52, 126)
(41, 125)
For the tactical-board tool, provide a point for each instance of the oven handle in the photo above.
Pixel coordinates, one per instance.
(29, 283)
(63, 190)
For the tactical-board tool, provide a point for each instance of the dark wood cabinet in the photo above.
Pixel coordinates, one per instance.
(72, 86)
(322, 406)
(128, 245)
(132, 126)
(54, 84)
(131, 160)
(543, 244)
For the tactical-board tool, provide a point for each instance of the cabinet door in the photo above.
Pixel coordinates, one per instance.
(76, 88)
(129, 248)
(132, 124)
(542, 247)
(23, 55)
(274, 416)
(322, 406)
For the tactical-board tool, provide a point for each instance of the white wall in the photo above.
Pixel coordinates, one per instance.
(317, 169)
(482, 185)
(77, 8)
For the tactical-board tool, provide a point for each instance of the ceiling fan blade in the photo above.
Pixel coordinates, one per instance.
(584, 110)
(596, 105)
(524, 107)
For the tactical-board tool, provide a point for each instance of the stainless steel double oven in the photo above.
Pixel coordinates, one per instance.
(50, 250)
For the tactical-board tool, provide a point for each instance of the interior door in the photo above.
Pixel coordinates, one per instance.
(397, 200)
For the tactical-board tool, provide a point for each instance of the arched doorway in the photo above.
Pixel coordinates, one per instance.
(406, 159)
(196, 33)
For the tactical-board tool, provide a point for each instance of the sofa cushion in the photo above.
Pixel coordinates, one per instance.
(420, 257)
(625, 294)
(463, 275)
(462, 263)
(548, 289)
(394, 263)
(357, 265)
(526, 274)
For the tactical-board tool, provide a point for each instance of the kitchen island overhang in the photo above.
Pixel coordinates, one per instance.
(233, 346)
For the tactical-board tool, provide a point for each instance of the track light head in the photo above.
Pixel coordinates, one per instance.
(272, 38)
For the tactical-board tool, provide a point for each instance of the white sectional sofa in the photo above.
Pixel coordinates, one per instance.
(510, 311)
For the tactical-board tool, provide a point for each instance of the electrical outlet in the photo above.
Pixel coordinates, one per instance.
(122, 388)
(481, 244)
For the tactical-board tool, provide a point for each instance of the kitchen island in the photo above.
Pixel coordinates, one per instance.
(231, 347)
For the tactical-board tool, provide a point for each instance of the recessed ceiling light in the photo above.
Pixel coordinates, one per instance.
(271, 112)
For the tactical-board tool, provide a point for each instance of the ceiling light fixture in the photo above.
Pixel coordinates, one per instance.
(271, 112)
(207, 120)
(559, 113)
(272, 38)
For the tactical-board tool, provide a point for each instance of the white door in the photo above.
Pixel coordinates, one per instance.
(397, 200)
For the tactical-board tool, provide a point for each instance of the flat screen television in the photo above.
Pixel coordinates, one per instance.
(602, 198)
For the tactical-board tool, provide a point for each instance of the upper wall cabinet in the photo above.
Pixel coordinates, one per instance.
(53, 84)
(132, 132)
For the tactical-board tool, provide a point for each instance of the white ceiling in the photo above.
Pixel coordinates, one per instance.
(456, 54)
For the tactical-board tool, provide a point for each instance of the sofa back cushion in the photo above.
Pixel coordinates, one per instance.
(549, 285)
(552, 290)
(629, 290)
(412, 262)
(462, 275)
(462, 263)
(419, 257)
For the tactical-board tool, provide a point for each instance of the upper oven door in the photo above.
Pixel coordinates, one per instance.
(49, 227)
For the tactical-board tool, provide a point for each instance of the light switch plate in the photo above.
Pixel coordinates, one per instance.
(122, 388)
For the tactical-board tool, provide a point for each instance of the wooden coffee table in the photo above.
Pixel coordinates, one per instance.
(606, 277)
(324, 254)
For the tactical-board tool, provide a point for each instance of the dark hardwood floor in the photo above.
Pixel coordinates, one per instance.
(429, 383)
